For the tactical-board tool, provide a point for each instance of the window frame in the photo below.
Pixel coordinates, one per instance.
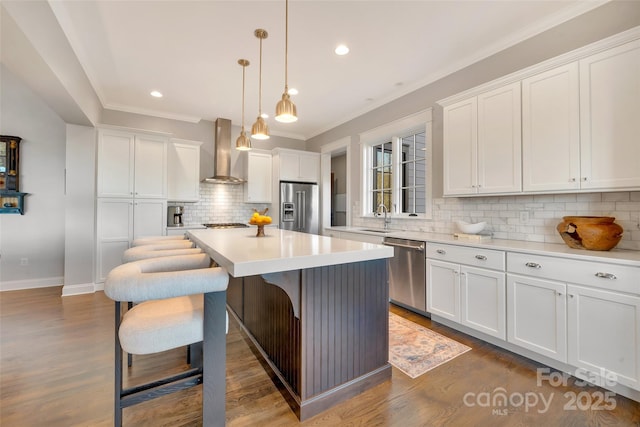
(394, 132)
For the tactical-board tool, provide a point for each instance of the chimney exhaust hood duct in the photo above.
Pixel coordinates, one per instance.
(222, 149)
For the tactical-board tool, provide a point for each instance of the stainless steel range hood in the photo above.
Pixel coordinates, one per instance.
(222, 150)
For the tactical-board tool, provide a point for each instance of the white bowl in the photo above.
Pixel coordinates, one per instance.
(468, 228)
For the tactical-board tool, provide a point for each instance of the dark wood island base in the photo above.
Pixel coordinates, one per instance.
(323, 330)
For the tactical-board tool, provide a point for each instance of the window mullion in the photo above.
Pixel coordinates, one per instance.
(396, 189)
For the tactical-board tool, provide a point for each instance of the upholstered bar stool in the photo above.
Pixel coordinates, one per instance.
(164, 248)
(172, 312)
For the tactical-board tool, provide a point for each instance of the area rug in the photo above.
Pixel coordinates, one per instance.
(415, 349)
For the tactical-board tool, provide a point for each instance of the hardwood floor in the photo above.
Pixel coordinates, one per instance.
(56, 369)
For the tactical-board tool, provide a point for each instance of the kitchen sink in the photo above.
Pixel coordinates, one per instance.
(374, 230)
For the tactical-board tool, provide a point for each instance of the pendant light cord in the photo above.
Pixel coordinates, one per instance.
(244, 67)
(286, 46)
(260, 89)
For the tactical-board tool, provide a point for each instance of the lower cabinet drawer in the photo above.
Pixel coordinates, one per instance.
(602, 275)
(477, 257)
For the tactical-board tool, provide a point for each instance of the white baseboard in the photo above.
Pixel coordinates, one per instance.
(78, 289)
(17, 285)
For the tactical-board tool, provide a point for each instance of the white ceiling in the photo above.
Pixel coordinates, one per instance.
(188, 50)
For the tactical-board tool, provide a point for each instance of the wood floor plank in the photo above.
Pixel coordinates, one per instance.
(56, 369)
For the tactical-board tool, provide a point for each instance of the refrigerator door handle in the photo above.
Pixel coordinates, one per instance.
(303, 215)
(298, 210)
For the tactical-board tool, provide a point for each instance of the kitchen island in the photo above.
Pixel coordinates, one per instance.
(316, 308)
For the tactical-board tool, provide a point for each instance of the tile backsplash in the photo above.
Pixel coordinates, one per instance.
(219, 203)
(527, 217)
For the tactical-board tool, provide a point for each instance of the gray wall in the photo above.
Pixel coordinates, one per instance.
(38, 235)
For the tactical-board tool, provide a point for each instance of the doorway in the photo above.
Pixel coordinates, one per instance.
(336, 183)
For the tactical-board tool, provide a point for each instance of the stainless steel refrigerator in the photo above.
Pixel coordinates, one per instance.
(299, 207)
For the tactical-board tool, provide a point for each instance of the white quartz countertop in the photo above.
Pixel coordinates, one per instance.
(241, 253)
(615, 256)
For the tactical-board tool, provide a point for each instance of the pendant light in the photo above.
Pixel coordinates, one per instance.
(286, 109)
(243, 142)
(260, 130)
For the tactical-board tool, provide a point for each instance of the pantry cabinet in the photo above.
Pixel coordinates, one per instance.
(482, 143)
(131, 165)
(132, 193)
(183, 171)
(119, 222)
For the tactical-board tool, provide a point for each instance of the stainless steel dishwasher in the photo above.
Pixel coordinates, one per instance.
(407, 274)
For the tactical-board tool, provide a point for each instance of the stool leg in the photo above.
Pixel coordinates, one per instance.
(215, 355)
(117, 410)
(129, 356)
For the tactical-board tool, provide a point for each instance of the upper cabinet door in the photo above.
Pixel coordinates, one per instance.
(115, 164)
(500, 140)
(551, 130)
(460, 147)
(183, 171)
(150, 167)
(609, 118)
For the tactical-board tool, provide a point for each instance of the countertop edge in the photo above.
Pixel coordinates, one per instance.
(614, 256)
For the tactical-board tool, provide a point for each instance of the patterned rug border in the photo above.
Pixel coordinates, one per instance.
(413, 363)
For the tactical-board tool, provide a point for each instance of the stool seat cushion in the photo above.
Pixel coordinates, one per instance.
(160, 325)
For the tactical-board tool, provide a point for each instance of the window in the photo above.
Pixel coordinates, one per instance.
(397, 164)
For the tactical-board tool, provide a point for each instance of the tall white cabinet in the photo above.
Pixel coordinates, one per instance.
(132, 193)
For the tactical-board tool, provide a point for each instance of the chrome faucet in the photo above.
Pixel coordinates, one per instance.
(383, 208)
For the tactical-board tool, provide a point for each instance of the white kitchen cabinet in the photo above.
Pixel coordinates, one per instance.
(482, 300)
(119, 222)
(584, 313)
(295, 165)
(443, 289)
(183, 171)
(467, 285)
(483, 143)
(258, 176)
(551, 130)
(131, 165)
(537, 315)
(609, 111)
(604, 333)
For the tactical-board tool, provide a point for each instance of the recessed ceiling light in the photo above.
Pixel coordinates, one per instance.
(156, 94)
(264, 115)
(341, 50)
(293, 91)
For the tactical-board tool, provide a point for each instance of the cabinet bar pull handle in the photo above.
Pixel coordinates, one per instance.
(481, 257)
(441, 251)
(533, 265)
(606, 275)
